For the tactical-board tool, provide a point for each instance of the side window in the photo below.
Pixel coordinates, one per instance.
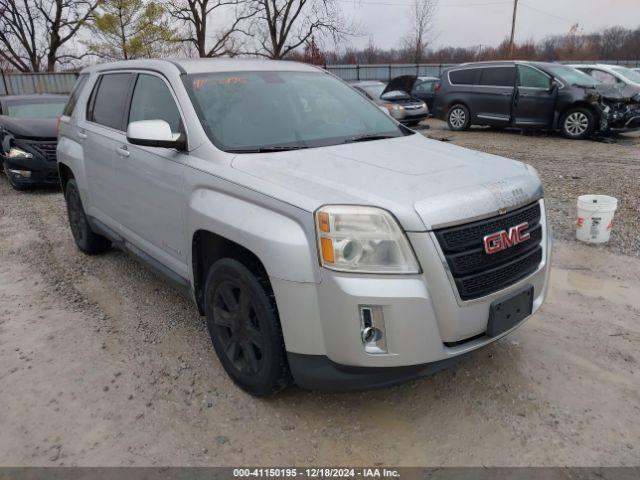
(464, 77)
(75, 93)
(109, 100)
(152, 100)
(530, 77)
(498, 76)
(425, 87)
(604, 77)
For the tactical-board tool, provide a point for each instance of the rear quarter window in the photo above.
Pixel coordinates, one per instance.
(109, 100)
(468, 76)
(75, 93)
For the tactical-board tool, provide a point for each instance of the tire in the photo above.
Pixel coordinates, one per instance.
(458, 118)
(578, 123)
(244, 326)
(87, 241)
(17, 187)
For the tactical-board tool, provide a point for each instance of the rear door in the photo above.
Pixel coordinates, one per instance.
(102, 133)
(494, 95)
(149, 181)
(535, 101)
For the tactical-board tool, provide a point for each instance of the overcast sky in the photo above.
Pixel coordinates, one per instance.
(487, 22)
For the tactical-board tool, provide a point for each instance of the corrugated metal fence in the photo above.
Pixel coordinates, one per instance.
(62, 82)
(26, 83)
(388, 71)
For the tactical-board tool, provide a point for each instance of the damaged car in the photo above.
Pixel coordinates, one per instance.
(28, 138)
(534, 95)
(397, 98)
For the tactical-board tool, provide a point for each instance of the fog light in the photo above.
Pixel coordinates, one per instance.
(373, 333)
(20, 173)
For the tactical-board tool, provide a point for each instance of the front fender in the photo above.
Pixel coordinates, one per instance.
(280, 235)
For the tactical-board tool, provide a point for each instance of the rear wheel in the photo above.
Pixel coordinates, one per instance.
(87, 241)
(458, 118)
(243, 322)
(578, 123)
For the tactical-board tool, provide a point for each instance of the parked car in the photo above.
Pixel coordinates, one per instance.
(323, 241)
(426, 88)
(28, 131)
(615, 75)
(401, 105)
(533, 95)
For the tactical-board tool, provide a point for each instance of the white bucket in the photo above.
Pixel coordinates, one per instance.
(595, 218)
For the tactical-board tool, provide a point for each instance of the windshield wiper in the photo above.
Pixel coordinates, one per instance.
(279, 148)
(366, 138)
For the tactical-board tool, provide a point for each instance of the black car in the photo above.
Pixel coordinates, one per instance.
(28, 138)
(396, 98)
(533, 95)
(424, 88)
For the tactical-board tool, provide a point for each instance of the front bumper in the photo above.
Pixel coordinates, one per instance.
(427, 325)
(410, 115)
(41, 171)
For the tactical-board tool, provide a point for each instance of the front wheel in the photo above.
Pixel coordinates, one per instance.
(243, 322)
(578, 123)
(458, 118)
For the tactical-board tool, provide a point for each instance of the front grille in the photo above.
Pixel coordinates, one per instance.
(474, 271)
(46, 149)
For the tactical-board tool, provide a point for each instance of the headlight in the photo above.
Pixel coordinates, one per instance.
(395, 107)
(362, 239)
(17, 153)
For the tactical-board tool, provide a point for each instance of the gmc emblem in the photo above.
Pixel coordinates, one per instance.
(499, 241)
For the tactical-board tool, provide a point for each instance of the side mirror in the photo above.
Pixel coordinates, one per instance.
(155, 133)
(553, 84)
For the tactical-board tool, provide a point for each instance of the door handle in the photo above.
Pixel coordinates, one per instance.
(123, 151)
(81, 134)
(506, 94)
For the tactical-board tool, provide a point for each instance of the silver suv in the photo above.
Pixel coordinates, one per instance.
(325, 243)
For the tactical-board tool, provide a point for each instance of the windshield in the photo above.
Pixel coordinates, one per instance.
(253, 111)
(35, 110)
(631, 75)
(374, 90)
(571, 76)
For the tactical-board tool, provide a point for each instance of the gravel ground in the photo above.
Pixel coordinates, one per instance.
(569, 169)
(101, 363)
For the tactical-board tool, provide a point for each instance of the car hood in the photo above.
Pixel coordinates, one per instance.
(424, 183)
(403, 83)
(30, 127)
(622, 93)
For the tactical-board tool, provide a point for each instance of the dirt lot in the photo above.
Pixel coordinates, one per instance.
(101, 363)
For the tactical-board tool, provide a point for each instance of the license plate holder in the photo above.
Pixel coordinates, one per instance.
(507, 312)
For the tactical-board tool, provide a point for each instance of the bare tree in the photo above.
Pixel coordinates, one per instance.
(33, 33)
(195, 16)
(282, 26)
(417, 39)
(21, 46)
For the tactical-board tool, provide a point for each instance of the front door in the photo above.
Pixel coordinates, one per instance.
(494, 95)
(535, 100)
(150, 180)
(425, 91)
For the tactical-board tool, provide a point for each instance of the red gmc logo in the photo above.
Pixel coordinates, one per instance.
(499, 241)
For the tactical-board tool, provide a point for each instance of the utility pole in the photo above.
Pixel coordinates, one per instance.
(513, 27)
